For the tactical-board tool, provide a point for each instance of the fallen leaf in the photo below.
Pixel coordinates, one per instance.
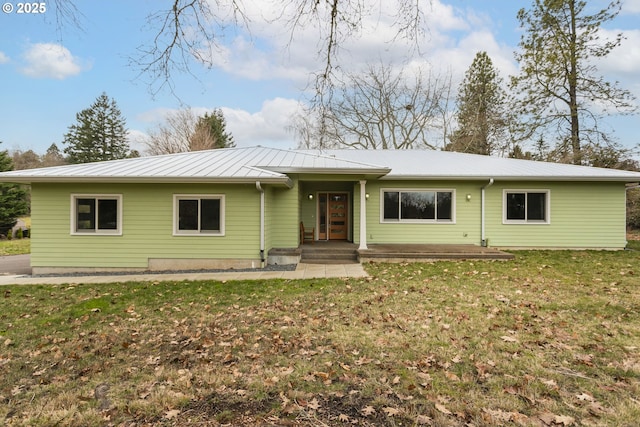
(344, 418)
(391, 412)
(565, 420)
(171, 414)
(596, 409)
(451, 376)
(507, 338)
(443, 409)
(313, 404)
(423, 419)
(585, 397)
(547, 417)
(368, 410)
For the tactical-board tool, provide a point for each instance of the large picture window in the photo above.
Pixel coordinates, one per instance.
(526, 206)
(417, 206)
(96, 214)
(199, 214)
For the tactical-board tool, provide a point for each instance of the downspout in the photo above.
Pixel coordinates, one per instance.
(261, 190)
(483, 239)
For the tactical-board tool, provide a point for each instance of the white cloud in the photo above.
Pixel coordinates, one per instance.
(136, 140)
(630, 7)
(267, 127)
(625, 59)
(452, 36)
(3, 58)
(50, 60)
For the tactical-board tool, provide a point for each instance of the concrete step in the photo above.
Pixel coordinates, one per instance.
(319, 255)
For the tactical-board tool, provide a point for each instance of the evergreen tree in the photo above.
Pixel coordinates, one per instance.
(558, 89)
(99, 133)
(211, 132)
(482, 113)
(13, 198)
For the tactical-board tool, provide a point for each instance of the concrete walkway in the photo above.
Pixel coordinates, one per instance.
(302, 271)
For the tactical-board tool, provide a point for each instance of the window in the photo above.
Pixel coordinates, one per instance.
(198, 214)
(417, 206)
(96, 214)
(527, 206)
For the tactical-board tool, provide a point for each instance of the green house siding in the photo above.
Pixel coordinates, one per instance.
(282, 211)
(147, 230)
(582, 215)
(464, 230)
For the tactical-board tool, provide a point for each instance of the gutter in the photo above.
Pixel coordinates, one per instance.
(261, 190)
(483, 239)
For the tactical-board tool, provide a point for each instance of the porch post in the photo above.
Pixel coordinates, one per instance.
(363, 215)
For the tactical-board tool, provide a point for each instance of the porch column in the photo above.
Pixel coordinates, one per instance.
(363, 215)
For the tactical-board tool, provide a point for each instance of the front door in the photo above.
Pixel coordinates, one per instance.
(333, 215)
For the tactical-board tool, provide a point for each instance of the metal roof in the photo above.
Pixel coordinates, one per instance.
(271, 165)
(432, 164)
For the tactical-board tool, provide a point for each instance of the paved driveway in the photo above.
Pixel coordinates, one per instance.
(15, 265)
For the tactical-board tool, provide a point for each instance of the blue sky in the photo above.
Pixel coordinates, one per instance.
(259, 80)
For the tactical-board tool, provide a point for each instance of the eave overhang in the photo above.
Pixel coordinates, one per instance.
(285, 181)
(509, 178)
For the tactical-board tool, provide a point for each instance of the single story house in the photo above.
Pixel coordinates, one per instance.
(229, 208)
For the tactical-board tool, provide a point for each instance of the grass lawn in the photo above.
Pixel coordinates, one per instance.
(549, 339)
(15, 247)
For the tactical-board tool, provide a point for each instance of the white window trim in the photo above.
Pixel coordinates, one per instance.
(419, 221)
(97, 232)
(182, 233)
(547, 215)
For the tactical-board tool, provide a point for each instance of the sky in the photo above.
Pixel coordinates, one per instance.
(259, 78)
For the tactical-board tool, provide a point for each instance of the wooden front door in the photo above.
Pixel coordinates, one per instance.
(338, 216)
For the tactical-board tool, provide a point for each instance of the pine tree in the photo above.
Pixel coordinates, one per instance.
(558, 89)
(99, 133)
(482, 113)
(13, 198)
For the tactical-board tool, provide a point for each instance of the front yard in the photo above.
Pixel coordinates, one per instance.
(551, 338)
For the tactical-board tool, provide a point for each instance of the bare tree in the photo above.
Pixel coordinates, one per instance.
(381, 109)
(172, 136)
(183, 131)
(190, 31)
